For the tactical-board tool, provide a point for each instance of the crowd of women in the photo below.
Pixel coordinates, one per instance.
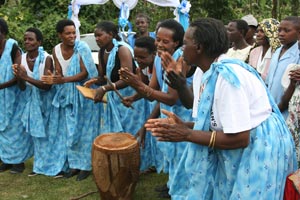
(215, 124)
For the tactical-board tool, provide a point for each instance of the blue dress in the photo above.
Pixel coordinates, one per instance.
(115, 116)
(277, 68)
(258, 171)
(36, 113)
(74, 121)
(172, 151)
(15, 144)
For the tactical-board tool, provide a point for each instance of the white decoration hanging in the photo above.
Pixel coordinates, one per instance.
(87, 2)
(165, 3)
(130, 3)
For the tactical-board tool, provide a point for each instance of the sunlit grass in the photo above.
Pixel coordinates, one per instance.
(20, 186)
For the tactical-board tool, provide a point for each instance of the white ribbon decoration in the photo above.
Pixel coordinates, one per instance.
(165, 3)
(131, 4)
(88, 2)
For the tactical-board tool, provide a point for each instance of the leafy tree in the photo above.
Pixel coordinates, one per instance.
(21, 14)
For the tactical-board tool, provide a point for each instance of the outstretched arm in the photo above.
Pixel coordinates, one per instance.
(151, 91)
(172, 129)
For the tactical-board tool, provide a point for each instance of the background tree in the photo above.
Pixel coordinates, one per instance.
(21, 14)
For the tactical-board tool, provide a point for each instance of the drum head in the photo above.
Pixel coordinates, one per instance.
(115, 141)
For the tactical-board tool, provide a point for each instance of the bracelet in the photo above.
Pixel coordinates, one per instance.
(212, 139)
(114, 86)
(103, 88)
(214, 142)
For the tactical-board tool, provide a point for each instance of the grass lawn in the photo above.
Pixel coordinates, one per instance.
(20, 186)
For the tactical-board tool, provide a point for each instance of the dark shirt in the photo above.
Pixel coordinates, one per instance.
(114, 77)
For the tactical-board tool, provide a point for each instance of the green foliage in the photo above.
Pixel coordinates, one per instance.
(44, 14)
(17, 21)
(48, 29)
(213, 9)
(156, 13)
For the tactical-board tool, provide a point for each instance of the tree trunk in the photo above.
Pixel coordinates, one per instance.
(295, 7)
(274, 9)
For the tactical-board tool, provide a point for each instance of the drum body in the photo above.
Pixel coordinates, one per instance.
(115, 162)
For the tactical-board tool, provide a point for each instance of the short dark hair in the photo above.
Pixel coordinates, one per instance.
(61, 24)
(212, 35)
(38, 33)
(241, 25)
(143, 15)
(3, 26)
(294, 19)
(109, 27)
(147, 43)
(176, 27)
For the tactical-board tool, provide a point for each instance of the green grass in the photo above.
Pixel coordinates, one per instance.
(20, 186)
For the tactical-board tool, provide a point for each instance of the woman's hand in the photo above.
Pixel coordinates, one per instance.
(129, 77)
(169, 64)
(141, 136)
(295, 75)
(175, 80)
(51, 78)
(100, 92)
(90, 82)
(128, 101)
(19, 71)
(170, 129)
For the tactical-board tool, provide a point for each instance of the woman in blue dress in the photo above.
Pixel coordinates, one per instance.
(239, 147)
(37, 97)
(72, 128)
(169, 39)
(15, 144)
(113, 55)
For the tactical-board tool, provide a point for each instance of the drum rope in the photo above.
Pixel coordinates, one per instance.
(84, 195)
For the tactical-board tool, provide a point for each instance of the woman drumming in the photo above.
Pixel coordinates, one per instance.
(239, 146)
(113, 55)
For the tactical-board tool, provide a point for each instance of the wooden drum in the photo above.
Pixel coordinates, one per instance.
(115, 161)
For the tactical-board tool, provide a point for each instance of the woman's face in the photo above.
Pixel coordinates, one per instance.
(287, 32)
(164, 41)
(102, 38)
(143, 57)
(233, 33)
(68, 36)
(189, 47)
(30, 41)
(261, 38)
(141, 24)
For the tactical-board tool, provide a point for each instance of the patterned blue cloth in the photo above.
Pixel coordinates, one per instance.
(116, 117)
(15, 145)
(74, 121)
(35, 117)
(277, 68)
(206, 173)
(172, 151)
(146, 153)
